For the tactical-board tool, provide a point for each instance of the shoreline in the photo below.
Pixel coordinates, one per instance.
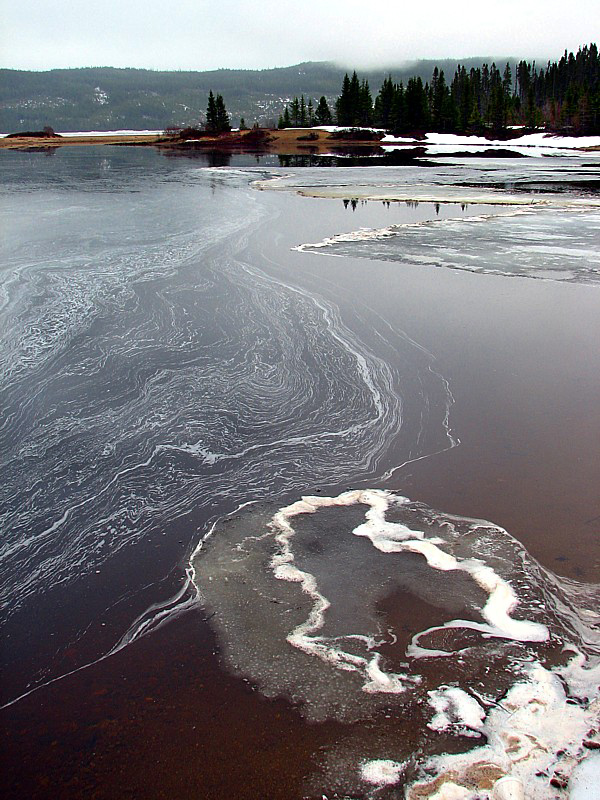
(286, 142)
(290, 141)
(522, 463)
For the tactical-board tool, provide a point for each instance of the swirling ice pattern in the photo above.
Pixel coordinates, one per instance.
(150, 372)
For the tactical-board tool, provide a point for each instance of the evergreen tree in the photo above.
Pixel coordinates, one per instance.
(222, 117)
(343, 106)
(474, 124)
(217, 118)
(507, 80)
(443, 109)
(354, 107)
(323, 114)
(364, 114)
(295, 112)
(462, 98)
(397, 122)
(383, 103)
(417, 115)
(211, 113)
(302, 114)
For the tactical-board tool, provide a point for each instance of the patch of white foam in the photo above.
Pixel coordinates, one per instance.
(585, 780)
(381, 772)
(360, 235)
(394, 538)
(388, 537)
(535, 728)
(454, 707)
(305, 636)
(535, 733)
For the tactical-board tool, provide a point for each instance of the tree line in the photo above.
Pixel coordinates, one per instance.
(563, 96)
(300, 113)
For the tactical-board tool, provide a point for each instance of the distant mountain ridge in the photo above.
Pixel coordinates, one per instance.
(109, 98)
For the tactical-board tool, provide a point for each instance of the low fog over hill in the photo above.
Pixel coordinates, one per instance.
(105, 98)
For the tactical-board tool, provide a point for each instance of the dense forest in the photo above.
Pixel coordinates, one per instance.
(563, 96)
(480, 97)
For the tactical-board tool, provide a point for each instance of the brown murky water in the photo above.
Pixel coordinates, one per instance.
(162, 719)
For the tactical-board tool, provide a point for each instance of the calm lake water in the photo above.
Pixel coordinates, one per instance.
(190, 348)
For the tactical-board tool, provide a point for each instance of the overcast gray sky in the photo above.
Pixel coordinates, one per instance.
(207, 34)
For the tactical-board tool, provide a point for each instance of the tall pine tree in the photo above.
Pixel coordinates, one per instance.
(323, 114)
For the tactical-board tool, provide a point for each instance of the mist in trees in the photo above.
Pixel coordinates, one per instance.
(563, 96)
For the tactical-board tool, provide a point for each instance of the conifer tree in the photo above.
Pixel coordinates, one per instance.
(222, 117)
(383, 103)
(397, 121)
(364, 114)
(355, 99)
(295, 112)
(416, 106)
(211, 113)
(343, 106)
(217, 118)
(323, 114)
(443, 109)
(302, 114)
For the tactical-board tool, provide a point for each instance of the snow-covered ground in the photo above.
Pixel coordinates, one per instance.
(110, 133)
(527, 144)
(531, 144)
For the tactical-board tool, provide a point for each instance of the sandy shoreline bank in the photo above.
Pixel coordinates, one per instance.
(291, 141)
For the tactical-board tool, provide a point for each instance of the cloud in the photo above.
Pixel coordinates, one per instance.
(206, 34)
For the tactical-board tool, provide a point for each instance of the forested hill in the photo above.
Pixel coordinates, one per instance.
(105, 98)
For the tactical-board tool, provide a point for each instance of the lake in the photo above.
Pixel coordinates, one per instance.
(189, 349)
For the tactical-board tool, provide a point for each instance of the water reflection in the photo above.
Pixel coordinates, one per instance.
(357, 157)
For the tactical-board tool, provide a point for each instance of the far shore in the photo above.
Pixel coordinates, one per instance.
(290, 141)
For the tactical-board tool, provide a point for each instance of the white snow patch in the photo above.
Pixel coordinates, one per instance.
(440, 142)
(109, 133)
